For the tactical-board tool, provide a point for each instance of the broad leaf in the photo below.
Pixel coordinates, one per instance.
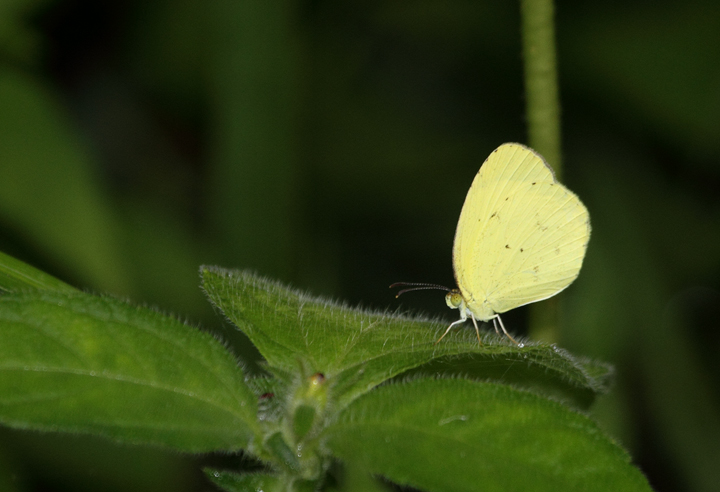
(544, 369)
(17, 276)
(457, 435)
(259, 482)
(81, 363)
(358, 349)
(49, 189)
(235, 482)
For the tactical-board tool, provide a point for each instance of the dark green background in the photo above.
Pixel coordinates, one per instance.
(330, 144)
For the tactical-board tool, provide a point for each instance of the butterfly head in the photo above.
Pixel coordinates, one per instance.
(454, 299)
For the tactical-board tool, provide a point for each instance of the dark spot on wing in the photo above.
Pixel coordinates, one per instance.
(536, 269)
(521, 250)
(534, 183)
(508, 247)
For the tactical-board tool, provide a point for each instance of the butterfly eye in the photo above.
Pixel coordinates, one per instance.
(454, 299)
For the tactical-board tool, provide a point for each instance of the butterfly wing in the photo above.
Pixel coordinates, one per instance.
(521, 236)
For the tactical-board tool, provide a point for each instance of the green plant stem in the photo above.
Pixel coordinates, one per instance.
(543, 117)
(541, 86)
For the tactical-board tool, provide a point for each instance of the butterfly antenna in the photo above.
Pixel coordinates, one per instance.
(417, 286)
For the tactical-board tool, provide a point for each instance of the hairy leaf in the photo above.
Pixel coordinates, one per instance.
(81, 363)
(235, 482)
(17, 276)
(458, 435)
(357, 350)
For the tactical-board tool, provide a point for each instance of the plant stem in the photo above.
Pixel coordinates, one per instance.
(543, 117)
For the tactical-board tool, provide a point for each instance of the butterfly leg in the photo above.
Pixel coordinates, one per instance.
(495, 325)
(503, 329)
(461, 320)
(477, 330)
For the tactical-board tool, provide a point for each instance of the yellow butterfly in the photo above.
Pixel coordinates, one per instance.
(521, 238)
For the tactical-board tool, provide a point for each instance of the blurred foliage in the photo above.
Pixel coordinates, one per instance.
(331, 144)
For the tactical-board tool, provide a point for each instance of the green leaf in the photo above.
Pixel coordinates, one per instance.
(259, 482)
(354, 478)
(17, 276)
(455, 435)
(81, 363)
(282, 453)
(357, 350)
(236, 482)
(271, 396)
(49, 187)
(543, 369)
(303, 421)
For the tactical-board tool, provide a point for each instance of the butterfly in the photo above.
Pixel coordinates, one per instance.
(521, 238)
